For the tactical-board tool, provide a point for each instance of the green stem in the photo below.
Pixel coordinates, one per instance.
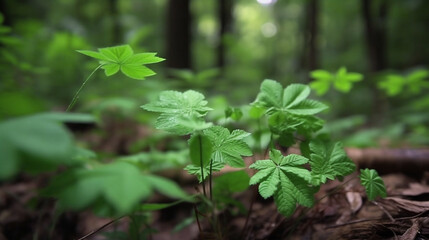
(202, 166)
(76, 96)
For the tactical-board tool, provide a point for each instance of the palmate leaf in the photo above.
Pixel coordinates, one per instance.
(37, 143)
(292, 99)
(228, 147)
(122, 58)
(342, 80)
(286, 179)
(374, 185)
(329, 161)
(181, 113)
(115, 188)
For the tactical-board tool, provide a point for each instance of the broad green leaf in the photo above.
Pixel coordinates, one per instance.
(294, 94)
(320, 74)
(283, 123)
(36, 143)
(118, 186)
(374, 185)
(292, 99)
(228, 147)
(122, 58)
(285, 178)
(329, 161)
(167, 187)
(307, 107)
(136, 71)
(178, 109)
(270, 94)
(196, 170)
(111, 69)
(200, 149)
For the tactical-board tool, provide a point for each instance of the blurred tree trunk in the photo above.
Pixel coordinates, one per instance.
(225, 20)
(116, 26)
(310, 59)
(375, 33)
(178, 34)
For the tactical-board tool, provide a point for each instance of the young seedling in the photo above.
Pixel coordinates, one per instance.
(119, 58)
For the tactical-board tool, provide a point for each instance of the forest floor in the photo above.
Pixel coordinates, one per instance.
(342, 211)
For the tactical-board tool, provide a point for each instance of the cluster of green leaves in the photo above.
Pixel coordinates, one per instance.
(341, 80)
(288, 110)
(122, 58)
(211, 147)
(181, 113)
(413, 83)
(286, 178)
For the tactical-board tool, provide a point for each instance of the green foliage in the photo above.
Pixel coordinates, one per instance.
(328, 161)
(342, 80)
(374, 185)
(196, 170)
(226, 185)
(286, 179)
(234, 113)
(110, 189)
(228, 147)
(288, 109)
(122, 58)
(200, 149)
(291, 100)
(413, 83)
(181, 113)
(36, 143)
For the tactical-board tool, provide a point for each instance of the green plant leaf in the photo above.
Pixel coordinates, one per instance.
(286, 179)
(329, 161)
(291, 100)
(374, 185)
(118, 186)
(122, 58)
(177, 109)
(36, 143)
(167, 187)
(200, 149)
(342, 80)
(228, 147)
(196, 170)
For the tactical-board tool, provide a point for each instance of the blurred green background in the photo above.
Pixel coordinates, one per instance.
(225, 48)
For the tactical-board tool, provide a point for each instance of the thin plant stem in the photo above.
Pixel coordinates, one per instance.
(76, 95)
(201, 163)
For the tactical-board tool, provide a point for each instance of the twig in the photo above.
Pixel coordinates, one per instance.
(99, 229)
(384, 210)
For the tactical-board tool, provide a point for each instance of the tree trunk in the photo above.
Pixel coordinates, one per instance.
(375, 33)
(178, 49)
(116, 37)
(310, 55)
(225, 20)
